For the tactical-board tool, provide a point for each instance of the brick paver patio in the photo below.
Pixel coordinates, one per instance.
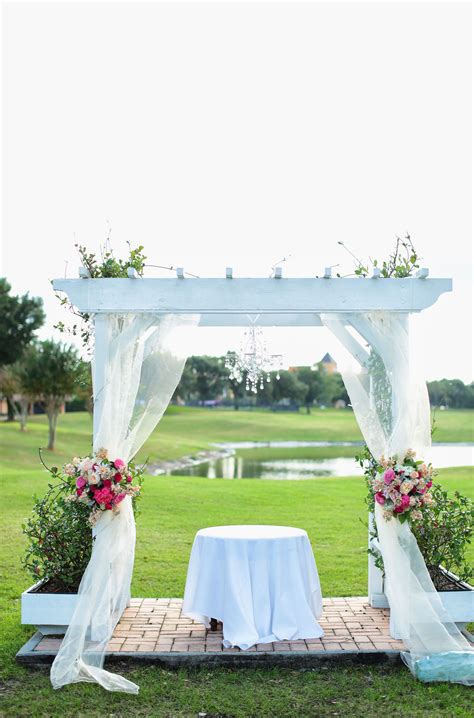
(157, 626)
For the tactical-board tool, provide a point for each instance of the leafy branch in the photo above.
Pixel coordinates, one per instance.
(107, 267)
(401, 263)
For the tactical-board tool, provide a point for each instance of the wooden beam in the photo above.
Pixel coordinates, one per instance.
(264, 320)
(251, 296)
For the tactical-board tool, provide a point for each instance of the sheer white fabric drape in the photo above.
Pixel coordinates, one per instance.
(391, 404)
(143, 362)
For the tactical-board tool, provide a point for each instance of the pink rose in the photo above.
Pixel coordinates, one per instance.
(380, 498)
(405, 501)
(119, 498)
(388, 476)
(119, 464)
(81, 482)
(429, 484)
(104, 496)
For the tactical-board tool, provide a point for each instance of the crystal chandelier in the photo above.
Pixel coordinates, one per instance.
(253, 362)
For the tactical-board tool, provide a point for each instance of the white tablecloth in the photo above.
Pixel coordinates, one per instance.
(260, 581)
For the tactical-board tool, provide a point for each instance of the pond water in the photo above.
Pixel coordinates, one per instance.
(267, 466)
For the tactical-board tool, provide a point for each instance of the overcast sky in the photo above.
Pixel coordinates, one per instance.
(236, 134)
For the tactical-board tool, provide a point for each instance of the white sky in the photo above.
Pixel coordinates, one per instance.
(235, 134)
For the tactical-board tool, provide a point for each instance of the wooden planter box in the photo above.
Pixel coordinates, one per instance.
(49, 612)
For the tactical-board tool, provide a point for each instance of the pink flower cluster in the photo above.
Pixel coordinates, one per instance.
(100, 483)
(401, 487)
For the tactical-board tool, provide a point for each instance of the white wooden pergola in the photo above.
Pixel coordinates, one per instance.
(229, 301)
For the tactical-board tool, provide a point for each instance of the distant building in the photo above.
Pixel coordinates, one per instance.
(328, 364)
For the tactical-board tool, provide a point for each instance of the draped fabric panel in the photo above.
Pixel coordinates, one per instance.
(390, 401)
(143, 358)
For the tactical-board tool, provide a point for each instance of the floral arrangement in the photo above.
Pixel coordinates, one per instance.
(402, 488)
(101, 483)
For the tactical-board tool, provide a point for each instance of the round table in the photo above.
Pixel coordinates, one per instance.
(260, 581)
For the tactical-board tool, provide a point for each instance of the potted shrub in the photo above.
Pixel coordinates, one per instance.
(58, 551)
(60, 533)
(443, 534)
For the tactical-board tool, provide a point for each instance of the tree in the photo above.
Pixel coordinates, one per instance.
(333, 389)
(20, 317)
(50, 372)
(210, 376)
(288, 387)
(314, 381)
(11, 385)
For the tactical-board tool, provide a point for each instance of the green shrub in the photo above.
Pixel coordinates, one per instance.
(59, 540)
(444, 533)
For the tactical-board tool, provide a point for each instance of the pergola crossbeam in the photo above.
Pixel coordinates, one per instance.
(286, 302)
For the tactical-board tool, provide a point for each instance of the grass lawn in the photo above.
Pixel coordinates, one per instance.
(173, 508)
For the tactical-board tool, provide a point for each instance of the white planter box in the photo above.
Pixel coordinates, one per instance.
(49, 612)
(460, 604)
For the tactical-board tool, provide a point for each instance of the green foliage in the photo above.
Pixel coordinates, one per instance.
(59, 539)
(445, 532)
(288, 387)
(206, 377)
(50, 372)
(401, 263)
(12, 386)
(20, 317)
(380, 390)
(451, 393)
(313, 381)
(109, 267)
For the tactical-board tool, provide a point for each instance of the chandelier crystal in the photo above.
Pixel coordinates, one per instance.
(253, 362)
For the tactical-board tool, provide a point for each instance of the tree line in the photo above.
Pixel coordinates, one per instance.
(206, 379)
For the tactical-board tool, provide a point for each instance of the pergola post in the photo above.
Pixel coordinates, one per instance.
(99, 363)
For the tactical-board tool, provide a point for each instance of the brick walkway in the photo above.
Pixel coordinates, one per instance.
(155, 626)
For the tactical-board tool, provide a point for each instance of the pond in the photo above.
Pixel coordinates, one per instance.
(303, 460)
